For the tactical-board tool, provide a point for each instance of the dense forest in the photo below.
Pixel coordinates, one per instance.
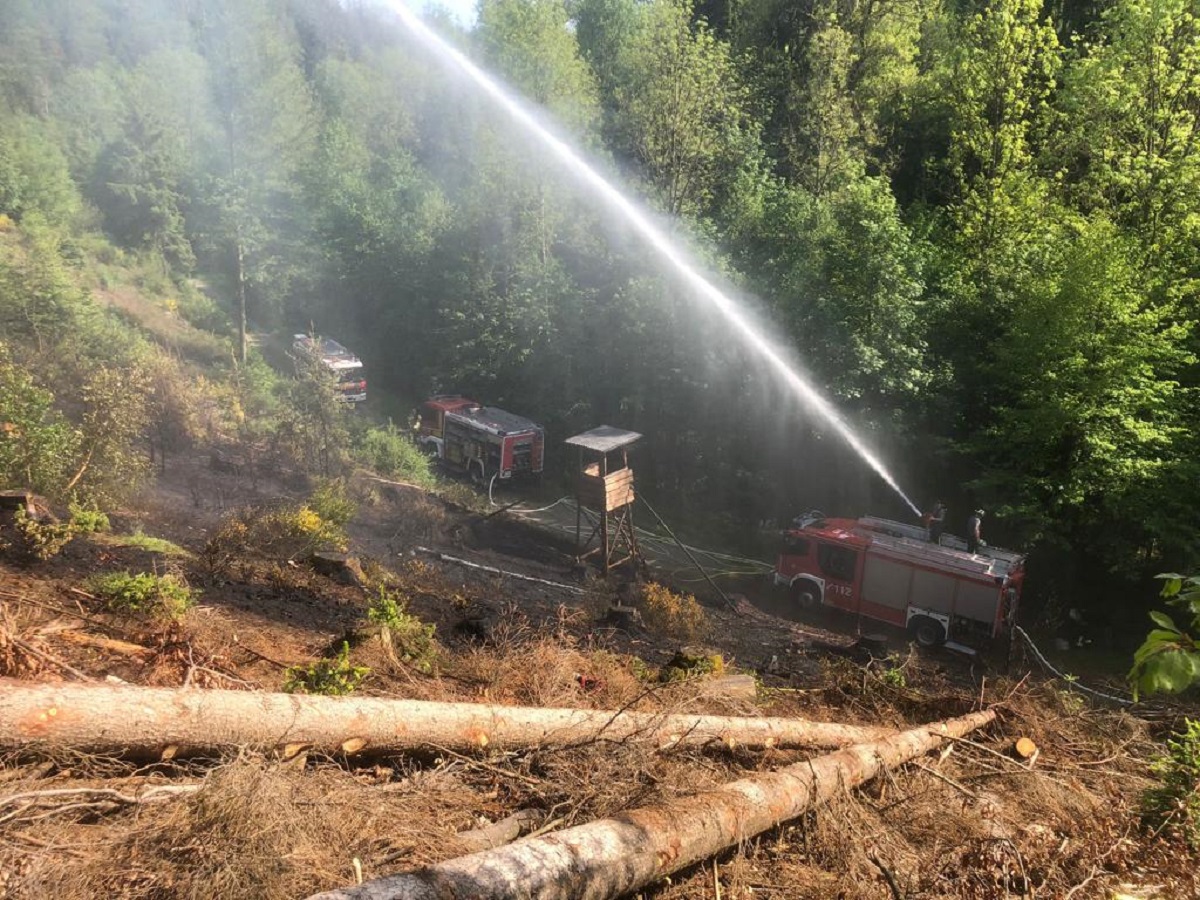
(976, 224)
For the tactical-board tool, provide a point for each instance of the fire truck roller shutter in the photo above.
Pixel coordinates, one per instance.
(933, 591)
(977, 601)
(886, 582)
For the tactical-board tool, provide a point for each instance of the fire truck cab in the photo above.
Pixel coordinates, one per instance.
(890, 572)
(480, 441)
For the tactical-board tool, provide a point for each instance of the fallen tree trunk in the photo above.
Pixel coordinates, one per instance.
(612, 857)
(148, 722)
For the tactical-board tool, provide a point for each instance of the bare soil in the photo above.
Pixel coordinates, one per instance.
(972, 822)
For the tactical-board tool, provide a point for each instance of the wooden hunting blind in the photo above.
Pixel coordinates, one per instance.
(604, 485)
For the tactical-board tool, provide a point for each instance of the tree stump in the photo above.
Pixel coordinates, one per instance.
(340, 567)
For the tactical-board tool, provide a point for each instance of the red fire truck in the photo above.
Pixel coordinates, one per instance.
(481, 441)
(346, 368)
(890, 571)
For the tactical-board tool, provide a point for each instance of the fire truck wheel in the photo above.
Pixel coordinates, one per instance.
(927, 632)
(478, 476)
(805, 595)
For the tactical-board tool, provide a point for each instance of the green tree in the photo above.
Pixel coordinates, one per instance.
(141, 193)
(1130, 113)
(41, 306)
(314, 422)
(682, 108)
(36, 442)
(825, 144)
(110, 461)
(847, 277)
(998, 84)
(265, 115)
(529, 43)
(34, 176)
(1093, 412)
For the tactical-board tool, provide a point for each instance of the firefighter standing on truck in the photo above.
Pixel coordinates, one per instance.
(974, 527)
(935, 521)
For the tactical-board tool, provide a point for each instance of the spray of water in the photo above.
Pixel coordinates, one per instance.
(640, 222)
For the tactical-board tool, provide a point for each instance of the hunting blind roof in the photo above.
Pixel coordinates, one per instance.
(604, 439)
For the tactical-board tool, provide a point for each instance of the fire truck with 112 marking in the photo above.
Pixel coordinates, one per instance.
(890, 571)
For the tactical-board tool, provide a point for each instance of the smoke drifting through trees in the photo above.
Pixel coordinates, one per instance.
(977, 229)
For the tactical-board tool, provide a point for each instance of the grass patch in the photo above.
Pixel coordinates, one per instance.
(146, 542)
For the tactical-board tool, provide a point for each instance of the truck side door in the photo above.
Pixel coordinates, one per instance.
(839, 568)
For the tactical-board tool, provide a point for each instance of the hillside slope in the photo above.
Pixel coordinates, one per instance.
(973, 823)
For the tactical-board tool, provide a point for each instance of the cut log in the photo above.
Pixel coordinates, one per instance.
(142, 721)
(612, 857)
(1027, 750)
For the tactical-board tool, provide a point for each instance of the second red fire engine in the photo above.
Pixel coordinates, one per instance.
(480, 441)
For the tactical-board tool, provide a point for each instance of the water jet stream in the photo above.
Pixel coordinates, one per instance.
(642, 224)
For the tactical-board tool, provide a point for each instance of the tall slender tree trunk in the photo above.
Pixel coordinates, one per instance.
(239, 259)
(145, 722)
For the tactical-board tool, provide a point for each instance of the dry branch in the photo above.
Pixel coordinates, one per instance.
(33, 805)
(113, 645)
(141, 721)
(612, 857)
(505, 831)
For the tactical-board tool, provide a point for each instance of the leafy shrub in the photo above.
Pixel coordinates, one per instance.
(37, 444)
(673, 615)
(1169, 659)
(305, 524)
(693, 662)
(88, 519)
(409, 638)
(330, 502)
(331, 677)
(201, 310)
(288, 532)
(893, 674)
(388, 451)
(31, 541)
(1175, 802)
(164, 596)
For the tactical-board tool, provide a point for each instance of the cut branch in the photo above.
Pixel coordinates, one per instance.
(612, 857)
(141, 722)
